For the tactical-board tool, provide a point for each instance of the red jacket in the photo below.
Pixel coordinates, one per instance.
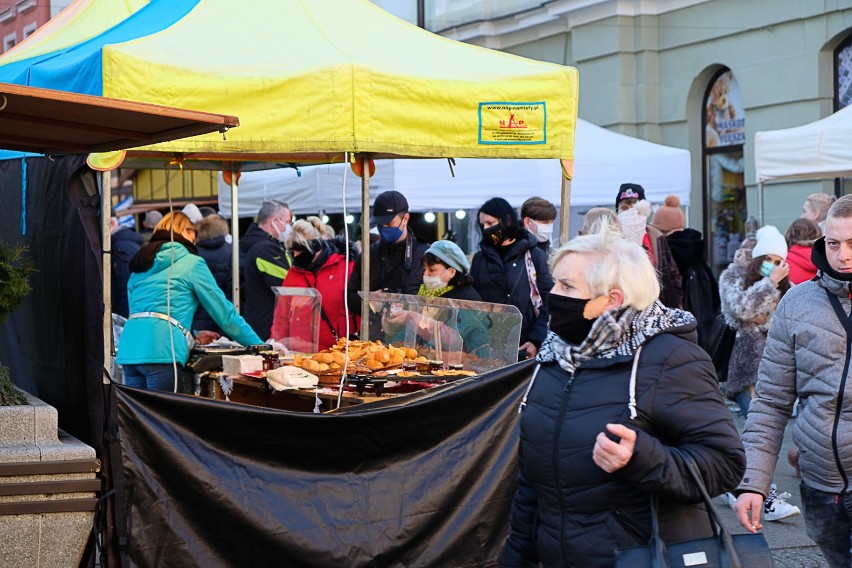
(801, 267)
(330, 280)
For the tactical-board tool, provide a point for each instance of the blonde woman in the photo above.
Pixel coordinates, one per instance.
(621, 390)
(168, 282)
(815, 208)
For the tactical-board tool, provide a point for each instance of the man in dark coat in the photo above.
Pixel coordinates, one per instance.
(396, 260)
(266, 264)
(125, 244)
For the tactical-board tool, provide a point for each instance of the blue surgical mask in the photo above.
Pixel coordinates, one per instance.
(765, 268)
(390, 234)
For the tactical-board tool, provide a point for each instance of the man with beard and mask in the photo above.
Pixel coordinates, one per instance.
(396, 260)
(265, 264)
(511, 269)
(538, 216)
(620, 396)
(807, 355)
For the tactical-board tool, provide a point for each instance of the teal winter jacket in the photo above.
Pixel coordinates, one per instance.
(146, 340)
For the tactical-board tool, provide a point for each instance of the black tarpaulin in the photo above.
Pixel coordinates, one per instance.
(428, 483)
(53, 343)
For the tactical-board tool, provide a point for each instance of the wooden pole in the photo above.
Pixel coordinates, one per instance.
(565, 210)
(235, 241)
(365, 245)
(106, 240)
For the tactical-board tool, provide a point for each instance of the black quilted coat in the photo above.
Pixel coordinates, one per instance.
(568, 511)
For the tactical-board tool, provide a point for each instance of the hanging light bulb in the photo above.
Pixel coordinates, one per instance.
(461, 214)
(429, 217)
(325, 219)
(350, 219)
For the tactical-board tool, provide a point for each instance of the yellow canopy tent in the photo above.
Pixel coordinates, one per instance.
(314, 79)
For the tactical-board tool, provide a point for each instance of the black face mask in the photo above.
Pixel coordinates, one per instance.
(494, 235)
(566, 318)
(303, 260)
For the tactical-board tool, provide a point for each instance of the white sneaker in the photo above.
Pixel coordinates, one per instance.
(731, 499)
(776, 506)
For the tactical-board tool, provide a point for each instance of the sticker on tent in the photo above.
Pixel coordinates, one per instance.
(512, 123)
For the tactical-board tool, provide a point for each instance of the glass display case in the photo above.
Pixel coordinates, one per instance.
(479, 336)
(296, 321)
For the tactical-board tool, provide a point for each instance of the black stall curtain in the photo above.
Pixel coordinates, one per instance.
(53, 343)
(427, 483)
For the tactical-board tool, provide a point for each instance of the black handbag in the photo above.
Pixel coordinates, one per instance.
(723, 550)
(720, 346)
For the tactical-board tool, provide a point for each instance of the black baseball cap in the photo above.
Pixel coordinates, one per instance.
(387, 206)
(629, 191)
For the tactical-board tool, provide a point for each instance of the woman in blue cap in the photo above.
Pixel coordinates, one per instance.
(446, 274)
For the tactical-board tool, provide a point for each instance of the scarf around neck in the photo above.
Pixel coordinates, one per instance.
(614, 333)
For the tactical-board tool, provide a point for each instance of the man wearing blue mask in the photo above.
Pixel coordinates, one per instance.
(264, 264)
(396, 260)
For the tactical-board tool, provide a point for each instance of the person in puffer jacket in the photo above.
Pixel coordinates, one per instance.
(808, 355)
(621, 393)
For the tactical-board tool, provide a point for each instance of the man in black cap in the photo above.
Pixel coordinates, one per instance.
(396, 260)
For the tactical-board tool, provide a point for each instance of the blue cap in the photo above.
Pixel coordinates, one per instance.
(451, 255)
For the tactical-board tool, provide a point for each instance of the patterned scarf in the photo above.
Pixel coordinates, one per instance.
(617, 332)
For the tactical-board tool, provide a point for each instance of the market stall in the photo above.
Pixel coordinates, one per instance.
(343, 100)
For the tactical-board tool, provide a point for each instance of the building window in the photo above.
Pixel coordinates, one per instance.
(25, 5)
(6, 15)
(843, 74)
(724, 182)
(9, 41)
(29, 29)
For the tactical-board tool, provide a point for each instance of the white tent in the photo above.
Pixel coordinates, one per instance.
(820, 149)
(603, 161)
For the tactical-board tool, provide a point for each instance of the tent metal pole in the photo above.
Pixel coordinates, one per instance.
(564, 210)
(235, 242)
(106, 257)
(365, 245)
(760, 202)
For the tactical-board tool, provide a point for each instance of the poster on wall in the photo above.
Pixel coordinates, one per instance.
(724, 113)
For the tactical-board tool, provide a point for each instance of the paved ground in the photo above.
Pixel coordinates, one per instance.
(791, 547)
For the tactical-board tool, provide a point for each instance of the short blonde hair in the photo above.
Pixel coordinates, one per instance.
(619, 264)
(842, 208)
(175, 220)
(303, 232)
(820, 202)
(597, 216)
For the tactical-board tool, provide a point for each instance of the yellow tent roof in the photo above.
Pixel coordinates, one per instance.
(311, 79)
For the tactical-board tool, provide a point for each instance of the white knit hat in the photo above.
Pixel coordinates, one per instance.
(192, 211)
(769, 241)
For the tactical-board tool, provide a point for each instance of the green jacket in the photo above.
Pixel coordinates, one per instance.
(146, 340)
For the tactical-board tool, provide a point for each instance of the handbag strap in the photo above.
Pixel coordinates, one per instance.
(845, 320)
(728, 555)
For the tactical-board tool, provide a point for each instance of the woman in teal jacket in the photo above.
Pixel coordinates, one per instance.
(168, 280)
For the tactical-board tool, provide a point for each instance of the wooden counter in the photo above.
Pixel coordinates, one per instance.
(258, 393)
